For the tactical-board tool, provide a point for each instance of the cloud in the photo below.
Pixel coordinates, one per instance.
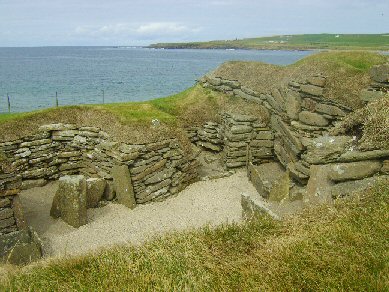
(151, 30)
(164, 28)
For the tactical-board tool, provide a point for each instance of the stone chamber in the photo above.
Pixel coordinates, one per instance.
(292, 160)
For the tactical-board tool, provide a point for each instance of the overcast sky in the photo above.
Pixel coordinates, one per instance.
(141, 22)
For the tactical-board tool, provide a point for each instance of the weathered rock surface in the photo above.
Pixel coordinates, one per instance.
(354, 170)
(319, 186)
(20, 247)
(95, 188)
(72, 200)
(123, 186)
(313, 119)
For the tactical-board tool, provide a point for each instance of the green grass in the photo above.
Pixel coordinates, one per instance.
(166, 109)
(339, 248)
(290, 42)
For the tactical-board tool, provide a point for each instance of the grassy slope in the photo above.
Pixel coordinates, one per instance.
(125, 121)
(345, 247)
(347, 73)
(305, 41)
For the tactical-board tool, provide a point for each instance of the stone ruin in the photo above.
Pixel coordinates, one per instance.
(291, 160)
(90, 168)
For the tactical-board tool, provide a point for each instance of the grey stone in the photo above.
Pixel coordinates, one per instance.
(20, 247)
(6, 213)
(354, 170)
(329, 110)
(159, 176)
(240, 129)
(317, 80)
(72, 200)
(380, 73)
(94, 191)
(123, 186)
(7, 222)
(270, 180)
(293, 104)
(262, 143)
(348, 188)
(254, 207)
(326, 149)
(109, 192)
(351, 156)
(284, 130)
(5, 202)
(264, 135)
(243, 118)
(210, 146)
(57, 127)
(143, 171)
(35, 143)
(370, 95)
(319, 186)
(312, 89)
(313, 119)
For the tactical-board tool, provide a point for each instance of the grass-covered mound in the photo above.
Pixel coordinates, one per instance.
(132, 121)
(347, 73)
(342, 247)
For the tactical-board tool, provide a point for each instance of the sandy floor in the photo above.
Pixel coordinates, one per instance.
(206, 202)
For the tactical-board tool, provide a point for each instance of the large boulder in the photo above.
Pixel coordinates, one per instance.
(123, 186)
(20, 247)
(70, 201)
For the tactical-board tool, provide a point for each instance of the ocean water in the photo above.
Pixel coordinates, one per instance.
(87, 75)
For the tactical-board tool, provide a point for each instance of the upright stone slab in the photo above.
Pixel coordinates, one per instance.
(319, 186)
(72, 200)
(123, 186)
(94, 191)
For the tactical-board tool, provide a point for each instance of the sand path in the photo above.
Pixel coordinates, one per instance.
(206, 202)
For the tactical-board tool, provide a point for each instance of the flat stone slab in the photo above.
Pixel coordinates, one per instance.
(354, 170)
(123, 186)
(270, 180)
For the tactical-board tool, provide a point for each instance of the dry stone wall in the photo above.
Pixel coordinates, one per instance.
(301, 118)
(157, 170)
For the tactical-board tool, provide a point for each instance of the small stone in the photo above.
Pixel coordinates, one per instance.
(317, 80)
(312, 90)
(313, 119)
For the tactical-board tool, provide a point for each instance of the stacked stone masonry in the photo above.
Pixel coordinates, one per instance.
(301, 118)
(157, 170)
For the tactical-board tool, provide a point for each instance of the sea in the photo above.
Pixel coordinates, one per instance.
(35, 78)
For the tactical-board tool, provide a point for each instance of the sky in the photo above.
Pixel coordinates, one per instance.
(142, 22)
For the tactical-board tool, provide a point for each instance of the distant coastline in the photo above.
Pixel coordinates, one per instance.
(305, 42)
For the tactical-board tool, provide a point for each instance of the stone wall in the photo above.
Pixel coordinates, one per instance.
(157, 169)
(301, 118)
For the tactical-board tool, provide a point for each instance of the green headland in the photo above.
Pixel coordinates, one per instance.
(377, 42)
